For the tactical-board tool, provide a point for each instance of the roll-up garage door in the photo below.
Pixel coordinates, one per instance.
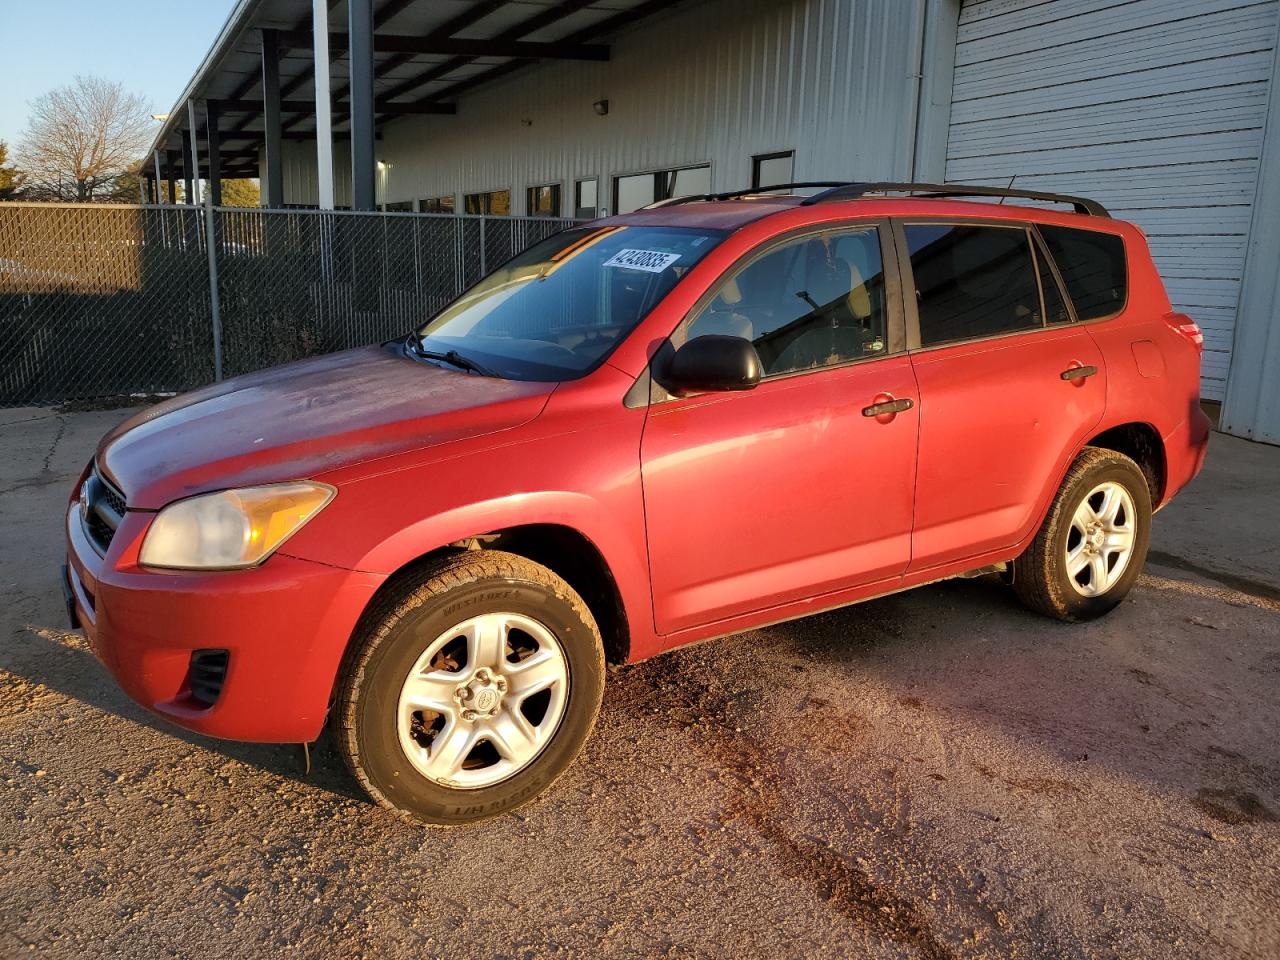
(1154, 107)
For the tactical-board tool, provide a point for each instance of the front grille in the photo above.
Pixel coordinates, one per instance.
(206, 675)
(102, 508)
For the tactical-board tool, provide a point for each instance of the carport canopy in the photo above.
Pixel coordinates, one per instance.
(379, 59)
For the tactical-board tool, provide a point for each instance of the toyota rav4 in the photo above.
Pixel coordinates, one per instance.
(681, 423)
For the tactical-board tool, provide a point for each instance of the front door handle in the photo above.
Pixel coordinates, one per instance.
(886, 407)
(1079, 372)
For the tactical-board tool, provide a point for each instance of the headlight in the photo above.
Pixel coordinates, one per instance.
(232, 528)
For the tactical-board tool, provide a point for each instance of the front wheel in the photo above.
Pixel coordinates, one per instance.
(470, 693)
(1092, 545)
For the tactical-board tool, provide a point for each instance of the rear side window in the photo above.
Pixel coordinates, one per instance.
(1093, 267)
(972, 281)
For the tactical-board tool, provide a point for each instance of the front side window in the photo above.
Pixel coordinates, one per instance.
(543, 201)
(557, 310)
(1093, 268)
(972, 281)
(495, 203)
(815, 301)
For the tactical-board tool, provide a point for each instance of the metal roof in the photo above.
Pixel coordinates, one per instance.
(427, 53)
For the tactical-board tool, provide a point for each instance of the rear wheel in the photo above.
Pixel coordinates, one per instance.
(471, 693)
(1092, 545)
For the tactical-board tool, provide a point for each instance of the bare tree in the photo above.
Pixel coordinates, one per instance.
(82, 137)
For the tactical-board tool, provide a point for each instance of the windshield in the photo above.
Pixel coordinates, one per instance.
(558, 309)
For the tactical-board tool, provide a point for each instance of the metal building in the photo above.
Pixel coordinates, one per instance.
(1166, 110)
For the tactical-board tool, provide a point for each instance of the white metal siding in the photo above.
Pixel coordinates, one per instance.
(1155, 107)
(712, 82)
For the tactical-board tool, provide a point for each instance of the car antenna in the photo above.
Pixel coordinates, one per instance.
(1008, 186)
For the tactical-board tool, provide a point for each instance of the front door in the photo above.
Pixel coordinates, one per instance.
(795, 488)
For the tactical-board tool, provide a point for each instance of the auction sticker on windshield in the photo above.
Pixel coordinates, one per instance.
(651, 261)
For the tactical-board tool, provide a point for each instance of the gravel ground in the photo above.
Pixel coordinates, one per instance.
(935, 774)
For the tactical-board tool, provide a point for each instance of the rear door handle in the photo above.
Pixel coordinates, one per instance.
(887, 408)
(1079, 372)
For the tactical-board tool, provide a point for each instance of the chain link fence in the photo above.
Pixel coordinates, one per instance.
(104, 301)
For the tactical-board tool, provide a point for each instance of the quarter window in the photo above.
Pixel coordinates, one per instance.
(812, 302)
(1093, 268)
(972, 281)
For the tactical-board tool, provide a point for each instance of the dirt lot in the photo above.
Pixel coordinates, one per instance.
(937, 774)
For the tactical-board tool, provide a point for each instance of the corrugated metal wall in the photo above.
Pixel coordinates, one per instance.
(1252, 407)
(1155, 107)
(713, 82)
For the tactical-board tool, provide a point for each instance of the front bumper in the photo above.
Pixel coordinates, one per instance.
(284, 624)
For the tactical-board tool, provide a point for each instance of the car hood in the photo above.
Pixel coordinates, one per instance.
(304, 419)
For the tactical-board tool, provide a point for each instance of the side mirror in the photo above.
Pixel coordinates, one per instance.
(713, 362)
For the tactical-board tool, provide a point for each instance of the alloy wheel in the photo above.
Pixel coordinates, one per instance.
(1101, 538)
(483, 700)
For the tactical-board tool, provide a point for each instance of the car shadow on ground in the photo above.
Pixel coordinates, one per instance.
(62, 662)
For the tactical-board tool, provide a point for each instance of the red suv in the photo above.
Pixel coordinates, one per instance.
(676, 424)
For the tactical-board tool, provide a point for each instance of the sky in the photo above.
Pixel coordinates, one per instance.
(151, 46)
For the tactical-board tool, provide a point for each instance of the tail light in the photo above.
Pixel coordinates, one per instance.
(1188, 328)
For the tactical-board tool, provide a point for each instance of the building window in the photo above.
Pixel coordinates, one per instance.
(399, 206)
(585, 199)
(641, 189)
(772, 169)
(436, 204)
(543, 201)
(495, 203)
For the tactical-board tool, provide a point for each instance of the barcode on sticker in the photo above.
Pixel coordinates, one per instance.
(651, 261)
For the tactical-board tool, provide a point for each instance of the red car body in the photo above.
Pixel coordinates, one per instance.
(707, 514)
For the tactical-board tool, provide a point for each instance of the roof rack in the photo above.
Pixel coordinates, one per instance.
(855, 191)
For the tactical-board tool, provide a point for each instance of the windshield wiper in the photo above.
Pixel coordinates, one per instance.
(450, 356)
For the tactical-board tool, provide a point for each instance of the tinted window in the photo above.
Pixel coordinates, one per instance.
(807, 303)
(556, 310)
(1055, 307)
(972, 281)
(1093, 268)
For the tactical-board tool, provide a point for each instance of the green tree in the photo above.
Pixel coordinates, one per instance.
(10, 176)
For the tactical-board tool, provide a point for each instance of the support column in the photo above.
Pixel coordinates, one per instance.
(170, 174)
(188, 164)
(273, 179)
(155, 162)
(360, 54)
(194, 176)
(215, 151)
(324, 109)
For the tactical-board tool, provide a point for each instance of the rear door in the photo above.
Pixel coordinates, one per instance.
(1009, 385)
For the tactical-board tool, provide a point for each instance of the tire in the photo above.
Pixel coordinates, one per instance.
(1077, 568)
(506, 728)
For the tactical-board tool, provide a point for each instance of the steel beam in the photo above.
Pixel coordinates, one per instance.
(188, 163)
(459, 46)
(324, 107)
(273, 181)
(171, 161)
(214, 136)
(341, 107)
(360, 28)
(193, 167)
